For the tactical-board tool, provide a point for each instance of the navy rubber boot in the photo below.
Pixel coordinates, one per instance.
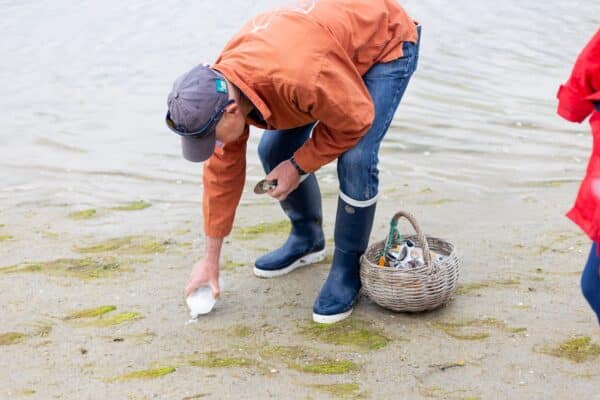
(306, 242)
(340, 291)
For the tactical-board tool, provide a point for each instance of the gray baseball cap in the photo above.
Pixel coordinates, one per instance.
(195, 106)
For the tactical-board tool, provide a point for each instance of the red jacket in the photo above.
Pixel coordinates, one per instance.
(576, 101)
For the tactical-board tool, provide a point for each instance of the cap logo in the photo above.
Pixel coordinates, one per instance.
(221, 86)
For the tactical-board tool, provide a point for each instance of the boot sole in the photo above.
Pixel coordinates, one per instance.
(331, 319)
(308, 259)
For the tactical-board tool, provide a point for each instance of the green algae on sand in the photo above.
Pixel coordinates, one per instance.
(196, 396)
(475, 286)
(26, 392)
(307, 361)
(83, 268)
(4, 238)
(342, 390)
(441, 393)
(474, 329)
(83, 214)
(229, 265)
(350, 332)
(116, 319)
(270, 228)
(9, 338)
(241, 331)
(127, 245)
(90, 312)
(211, 360)
(144, 374)
(49, 234)
(578, 349)
(548, 183)
(328, 367)
(133, 206)
(437, 202)
(43, 328)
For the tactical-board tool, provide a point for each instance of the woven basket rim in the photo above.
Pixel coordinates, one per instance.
(386, 268)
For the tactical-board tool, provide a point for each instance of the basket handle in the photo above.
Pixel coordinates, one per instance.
(426, 252)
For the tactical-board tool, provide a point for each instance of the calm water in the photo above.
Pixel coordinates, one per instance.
(85, 83)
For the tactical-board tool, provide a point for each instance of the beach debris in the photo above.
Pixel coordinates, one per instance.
(201, 301)
(393, 234)
(138, 338)
(196, 396)
(265, 186)
(406, 255)
(443, 367)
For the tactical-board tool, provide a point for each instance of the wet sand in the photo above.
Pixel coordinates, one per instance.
(113, 326)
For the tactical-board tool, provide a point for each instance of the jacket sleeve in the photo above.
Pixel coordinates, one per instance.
(341, 103)
(224, 177)
(577, 95)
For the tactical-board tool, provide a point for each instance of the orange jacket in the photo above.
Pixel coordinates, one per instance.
(299, 65)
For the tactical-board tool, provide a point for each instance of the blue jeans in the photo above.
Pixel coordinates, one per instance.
(590, 280)
(357, 168)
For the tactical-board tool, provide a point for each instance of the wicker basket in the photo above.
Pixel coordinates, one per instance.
(418, 289)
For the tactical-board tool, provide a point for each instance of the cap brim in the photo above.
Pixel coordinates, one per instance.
(198, 149)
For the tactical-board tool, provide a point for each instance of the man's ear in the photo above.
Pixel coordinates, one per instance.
(232, 108)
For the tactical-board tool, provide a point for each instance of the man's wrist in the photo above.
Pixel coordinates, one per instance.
(212, 248)
(298, 168)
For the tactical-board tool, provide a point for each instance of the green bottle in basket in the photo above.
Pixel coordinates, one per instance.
(390, 241)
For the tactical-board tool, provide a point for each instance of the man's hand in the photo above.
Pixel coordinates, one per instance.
(206, 271)
(288, 180)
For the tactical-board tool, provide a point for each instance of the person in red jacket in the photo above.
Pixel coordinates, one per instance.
(579, 98)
